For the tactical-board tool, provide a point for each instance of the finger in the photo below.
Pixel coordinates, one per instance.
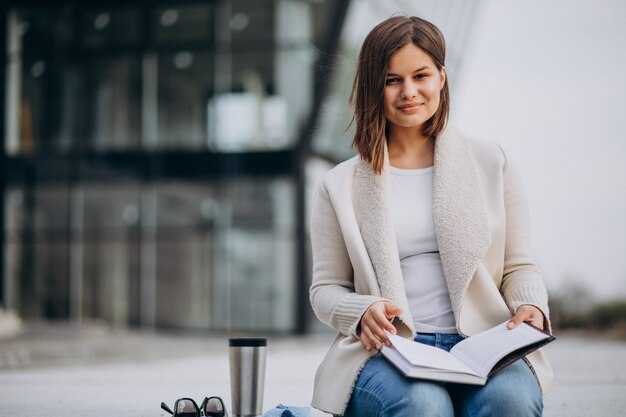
(518, 318)
(384, 323)
(365, 340)
(370, 338)
(378, 331)
(376, 341)
(381, 330)
(377, 337)
(364, 343)
(381, 325)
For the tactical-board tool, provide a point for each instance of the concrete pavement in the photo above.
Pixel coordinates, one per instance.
(94, 372)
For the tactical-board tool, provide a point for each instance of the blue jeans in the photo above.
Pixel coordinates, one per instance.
(382, 391)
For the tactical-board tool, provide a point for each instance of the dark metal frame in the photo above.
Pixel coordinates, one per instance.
(3, 154)
(149, 165)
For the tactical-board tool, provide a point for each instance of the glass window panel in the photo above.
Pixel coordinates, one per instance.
(251, 24)
(264, 77)
(14, 212)
(115, 25)
(50, 87)
(183, 280)
(247, 202)
(49, 103)
(109, 243)
(254, 256)
(14, 221)
(36, 251)
(39, 109)
(109, 275)
(110, 210)
(321, 20)
(331, 138)
(251, 116)
(50, 293)
(183, 207)
(12, 256)
(185, 213)
(98, 104)
(47, 26)
(185, 83)
(113, 102)
(37, 278)
(178, 23)
(253, 285)
(51, 205)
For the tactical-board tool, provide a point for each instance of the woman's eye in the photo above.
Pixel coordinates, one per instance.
(391, 80)
(418, 76)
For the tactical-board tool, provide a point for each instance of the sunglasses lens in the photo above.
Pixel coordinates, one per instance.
(214, 407)
(186, 408)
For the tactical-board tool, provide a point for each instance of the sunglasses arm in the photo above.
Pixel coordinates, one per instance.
(166, 408)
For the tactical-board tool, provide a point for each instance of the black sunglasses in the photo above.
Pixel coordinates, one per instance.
(187, 407)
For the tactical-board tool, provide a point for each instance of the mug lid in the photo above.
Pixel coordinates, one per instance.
(254, 342)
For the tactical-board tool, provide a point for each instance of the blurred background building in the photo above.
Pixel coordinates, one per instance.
(153, 159)
(159, 156)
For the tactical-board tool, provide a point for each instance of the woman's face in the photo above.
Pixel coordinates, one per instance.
(412, 88)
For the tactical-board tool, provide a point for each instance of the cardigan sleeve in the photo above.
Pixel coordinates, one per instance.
(522, 282)
(332, 294)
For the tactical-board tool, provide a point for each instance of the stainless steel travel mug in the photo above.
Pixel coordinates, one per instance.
(247, 376)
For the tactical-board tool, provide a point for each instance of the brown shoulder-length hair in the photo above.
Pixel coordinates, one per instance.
(369, 83)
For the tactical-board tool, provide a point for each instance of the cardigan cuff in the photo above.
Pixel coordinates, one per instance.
(350, 309)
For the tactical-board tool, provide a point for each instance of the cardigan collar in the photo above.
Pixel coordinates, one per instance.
(459, 216)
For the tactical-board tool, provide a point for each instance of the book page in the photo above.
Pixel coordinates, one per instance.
(482, 351)
(419, 354)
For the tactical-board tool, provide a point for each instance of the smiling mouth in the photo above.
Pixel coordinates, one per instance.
(409, 107)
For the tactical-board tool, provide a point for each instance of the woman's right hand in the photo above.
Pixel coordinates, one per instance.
(375, 321)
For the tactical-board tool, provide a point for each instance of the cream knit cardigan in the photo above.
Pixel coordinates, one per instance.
(482, 226)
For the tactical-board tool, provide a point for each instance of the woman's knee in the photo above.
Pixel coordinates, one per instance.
(422, 398)
(521, 394)
(382, 391)
(513, 392)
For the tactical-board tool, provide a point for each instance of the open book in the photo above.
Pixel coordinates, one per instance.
(470, 361)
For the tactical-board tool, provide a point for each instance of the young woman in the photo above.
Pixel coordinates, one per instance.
(424, 234)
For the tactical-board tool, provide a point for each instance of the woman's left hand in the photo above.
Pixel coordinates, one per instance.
(527, 313)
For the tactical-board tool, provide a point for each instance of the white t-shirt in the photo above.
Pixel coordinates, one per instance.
(411, 200)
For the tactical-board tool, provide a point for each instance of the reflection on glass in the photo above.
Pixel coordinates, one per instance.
(117, 25)
(51, 261)
(252, 24)
(114, 102)
(110, 209)
(184, 83)
(51, 206)
(179, 23)
(110, 266)
(245, 121)
(106, 239)
(254, 256)
(183, 255)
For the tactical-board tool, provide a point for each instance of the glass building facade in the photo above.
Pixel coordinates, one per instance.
(153, 159)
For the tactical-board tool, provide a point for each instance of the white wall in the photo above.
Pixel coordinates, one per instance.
(547, 80)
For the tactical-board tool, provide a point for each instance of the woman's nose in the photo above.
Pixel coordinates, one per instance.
(408, 90)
